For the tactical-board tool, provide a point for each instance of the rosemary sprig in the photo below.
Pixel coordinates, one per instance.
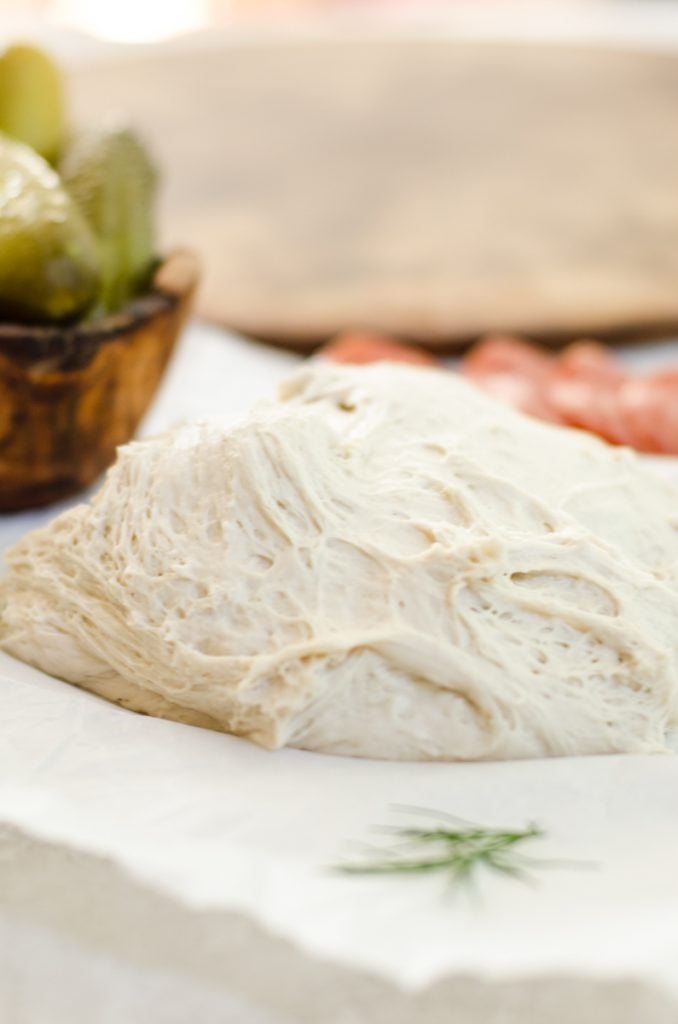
(453, 847)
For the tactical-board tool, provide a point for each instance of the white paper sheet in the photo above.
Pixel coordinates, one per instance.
(218, 822)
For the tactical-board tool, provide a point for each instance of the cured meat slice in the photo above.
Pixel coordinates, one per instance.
(366, 347)
(583, 388)
(501, 353)
(590, 405)
(650, 407)
(589, 360)
(513, 371)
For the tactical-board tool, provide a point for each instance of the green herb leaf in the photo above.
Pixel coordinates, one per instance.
(455, 848)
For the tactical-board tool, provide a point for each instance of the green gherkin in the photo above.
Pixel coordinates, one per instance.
(110, 176)
(48, 253)
(32, 100)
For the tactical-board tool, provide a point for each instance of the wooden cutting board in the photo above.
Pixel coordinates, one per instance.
(438, 190)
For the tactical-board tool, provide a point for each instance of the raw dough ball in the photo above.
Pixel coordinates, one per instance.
(385, 563)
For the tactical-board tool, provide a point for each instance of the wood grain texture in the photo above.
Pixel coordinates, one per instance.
(437, 190)
(69, 397)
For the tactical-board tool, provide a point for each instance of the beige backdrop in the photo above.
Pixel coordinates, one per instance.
(434, 189)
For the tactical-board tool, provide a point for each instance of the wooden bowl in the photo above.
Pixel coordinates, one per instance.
(70, 395)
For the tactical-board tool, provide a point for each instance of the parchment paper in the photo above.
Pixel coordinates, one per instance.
(220, 823)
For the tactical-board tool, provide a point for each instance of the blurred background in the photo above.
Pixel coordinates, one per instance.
(135, 21)
(438, 169)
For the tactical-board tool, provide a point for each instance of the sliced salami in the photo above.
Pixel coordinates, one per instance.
(366, 347)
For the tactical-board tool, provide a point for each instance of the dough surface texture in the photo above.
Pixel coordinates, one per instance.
(383, 563)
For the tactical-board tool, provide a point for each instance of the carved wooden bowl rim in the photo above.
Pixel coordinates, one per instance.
(72, 346)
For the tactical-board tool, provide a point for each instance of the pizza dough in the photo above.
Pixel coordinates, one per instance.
(384, 563)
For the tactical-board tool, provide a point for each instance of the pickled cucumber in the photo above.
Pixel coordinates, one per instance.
(48, 253)
(32, 100)
(110, 176)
